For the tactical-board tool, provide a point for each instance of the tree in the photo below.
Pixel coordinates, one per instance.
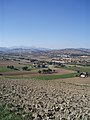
(39, 71)
(54, 71)
(11, 67)
(44, 71)
(25, 68)
(49, 70)
(43, 66)
(62, 65)
(38, 66)
(87, 74)
(50, 63)
(78, 71)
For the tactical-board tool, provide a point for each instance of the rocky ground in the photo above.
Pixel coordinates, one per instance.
(46, 100)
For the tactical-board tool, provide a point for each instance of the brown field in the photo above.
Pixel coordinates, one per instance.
(66, 99)
(60, 99)
(77, 80)
(6, 63)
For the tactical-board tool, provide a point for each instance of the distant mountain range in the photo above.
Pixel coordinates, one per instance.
(3, 48)
(23, 49)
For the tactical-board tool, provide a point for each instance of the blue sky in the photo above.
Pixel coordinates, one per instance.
(45, 23)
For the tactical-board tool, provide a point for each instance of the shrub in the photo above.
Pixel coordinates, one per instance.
(39, 71)
(25, 68)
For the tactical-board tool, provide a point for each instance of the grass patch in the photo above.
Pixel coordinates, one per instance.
(49, 77)
(63, 76)
(7, 115)
(4, 69)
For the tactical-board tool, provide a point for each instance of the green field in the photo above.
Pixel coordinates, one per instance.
(48, 77)
(4, 69)
(52, 77)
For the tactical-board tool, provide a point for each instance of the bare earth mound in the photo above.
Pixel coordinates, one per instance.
(66, 99)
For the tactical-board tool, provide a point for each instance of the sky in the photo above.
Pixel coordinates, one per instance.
(45, 23)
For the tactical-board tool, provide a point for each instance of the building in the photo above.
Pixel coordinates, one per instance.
(82, 75)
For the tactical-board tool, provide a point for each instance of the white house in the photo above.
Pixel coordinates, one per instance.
(82, 75)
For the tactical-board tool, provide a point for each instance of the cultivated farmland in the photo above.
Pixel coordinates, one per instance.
(41, 99)
(40, 86)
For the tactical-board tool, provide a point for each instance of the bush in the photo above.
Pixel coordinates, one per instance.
(25, 68)
(12, 67)
(39, 71)
(78, 71)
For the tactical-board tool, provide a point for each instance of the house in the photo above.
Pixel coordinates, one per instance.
(82, 75)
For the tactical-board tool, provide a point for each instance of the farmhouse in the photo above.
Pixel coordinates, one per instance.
(82, 75)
